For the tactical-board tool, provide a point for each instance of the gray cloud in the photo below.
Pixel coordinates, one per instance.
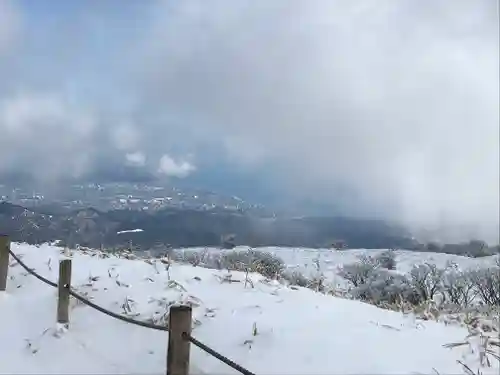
(45, 135)
(395, 102)
(385, 108)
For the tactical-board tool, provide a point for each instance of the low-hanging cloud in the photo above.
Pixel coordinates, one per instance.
(395, 102)
(387, 109)
(172, 168)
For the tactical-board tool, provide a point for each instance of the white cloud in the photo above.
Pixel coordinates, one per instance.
(137, 159)
(173, 168)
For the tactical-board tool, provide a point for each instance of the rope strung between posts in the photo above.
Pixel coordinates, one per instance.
(115, 315)
(219, 356)
(86, 301)
(31, 271)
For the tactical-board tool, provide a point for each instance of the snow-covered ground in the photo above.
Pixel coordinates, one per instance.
(298, 331)
(305, 260)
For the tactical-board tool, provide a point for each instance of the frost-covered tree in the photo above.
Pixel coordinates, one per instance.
(427, 279)
(487, 283)
(458, 286)
(375, 288)
(360, 272)
(386, 259)
(384, 286)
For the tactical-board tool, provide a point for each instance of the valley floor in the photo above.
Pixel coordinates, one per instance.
(298, 331)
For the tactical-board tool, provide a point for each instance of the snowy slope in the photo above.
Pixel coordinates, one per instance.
(304, 260)
(298, 331)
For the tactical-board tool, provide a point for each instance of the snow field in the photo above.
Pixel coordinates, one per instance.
(305, 260)
(298, 331)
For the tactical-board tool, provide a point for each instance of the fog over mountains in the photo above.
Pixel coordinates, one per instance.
(385, 110)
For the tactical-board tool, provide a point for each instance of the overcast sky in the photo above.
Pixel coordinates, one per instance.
(385, 108)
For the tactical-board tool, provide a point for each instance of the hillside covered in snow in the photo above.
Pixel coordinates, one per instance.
(265, 325)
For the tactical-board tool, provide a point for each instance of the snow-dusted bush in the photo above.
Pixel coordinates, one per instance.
(265, 263)
(386, 259)
(375, 288)
(295, 278)
(487, 284)
(458, 286)
(360, 272)
(191, 257)
(427, 279)
(384, 286)
(376, 284)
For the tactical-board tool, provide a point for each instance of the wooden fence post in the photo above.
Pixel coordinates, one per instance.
(64, 284)
(178, 347)
(4, 261)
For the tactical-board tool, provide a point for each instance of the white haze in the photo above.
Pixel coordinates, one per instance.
(393, 103)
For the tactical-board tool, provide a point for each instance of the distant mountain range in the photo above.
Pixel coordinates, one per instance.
(189, 227)
(144, 230)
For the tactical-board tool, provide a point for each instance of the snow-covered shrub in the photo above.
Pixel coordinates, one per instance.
(386, 259)
(295, 278)
(384, 286)
(487, 283)
(192, 257)
(374, 288)
(360, 272)
(458, 286)
(427, 279)
(265, 263)
(317, 282)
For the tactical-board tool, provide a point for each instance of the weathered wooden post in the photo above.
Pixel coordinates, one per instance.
(64, 285)
(4, 261)
(178, 347)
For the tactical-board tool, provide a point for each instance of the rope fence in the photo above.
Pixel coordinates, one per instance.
(178, 328)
